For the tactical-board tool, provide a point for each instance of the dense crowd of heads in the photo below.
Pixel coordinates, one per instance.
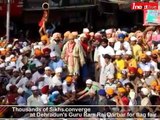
(107, 67)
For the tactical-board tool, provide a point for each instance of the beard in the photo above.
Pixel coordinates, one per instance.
(132, 78)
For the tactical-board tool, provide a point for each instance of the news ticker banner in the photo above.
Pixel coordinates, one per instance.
(78, 112)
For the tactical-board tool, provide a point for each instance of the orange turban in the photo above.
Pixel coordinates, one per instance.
(3, 52)
(121, 90)
(154, 83)
(69, 79)
(143, 56)
(158, 87)
(110, 91)
(37, 52)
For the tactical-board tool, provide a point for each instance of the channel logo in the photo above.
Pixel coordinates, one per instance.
(144, 6)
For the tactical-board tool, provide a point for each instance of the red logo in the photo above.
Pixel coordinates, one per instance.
(144, 6)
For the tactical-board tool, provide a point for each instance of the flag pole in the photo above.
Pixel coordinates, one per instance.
(8, 21)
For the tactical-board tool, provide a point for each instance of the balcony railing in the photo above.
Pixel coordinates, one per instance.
(36, 4)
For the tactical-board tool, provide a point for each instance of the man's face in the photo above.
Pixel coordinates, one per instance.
(111, 80)
(124, 76)
(140, 41)
(127, 57)
(127, 88)
(28, 75)
(44, 42)
(54, 58)
(58, 74)
(147, 73)
(46, 53)
(96, 43)
(71, 41)
(35, 92)
(89, 85)
(108, 35)
(83, 39)
(133, 42)
(118, 57)
(111, 43)
(56, 38)
(143, 60)
(16, 74)
(48, 72)
(104, 44)
(121, 40)
(106, 60)
(69, 83)
(9, 71)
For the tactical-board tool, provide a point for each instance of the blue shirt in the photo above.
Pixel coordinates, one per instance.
(21, 101)
(53, 65)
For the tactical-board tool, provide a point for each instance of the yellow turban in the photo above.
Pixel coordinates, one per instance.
(143, 56)
(71, 36)
(75, 34)
(140, 71)
(45, 38)
(66, 34)
(154, 83)
(155, 52)
(110, 91)
(121, 90)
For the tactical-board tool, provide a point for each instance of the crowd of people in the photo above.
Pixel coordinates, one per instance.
(107, 67)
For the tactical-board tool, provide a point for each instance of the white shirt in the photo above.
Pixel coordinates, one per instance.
(110, 85)
(22, 83)
(153, 92)
(108, 69)
(44, 99)
(47, 79)
(96, 54)
(143, 66)
(36, 76)
(55, 81)
(13, 80)
(101, 51)
(105, 71)
(126, 45)
(19, 63)
(145, 101)
(155, 66)
(34, 100)
(150, 79)
(68, 89)
(37, 62)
